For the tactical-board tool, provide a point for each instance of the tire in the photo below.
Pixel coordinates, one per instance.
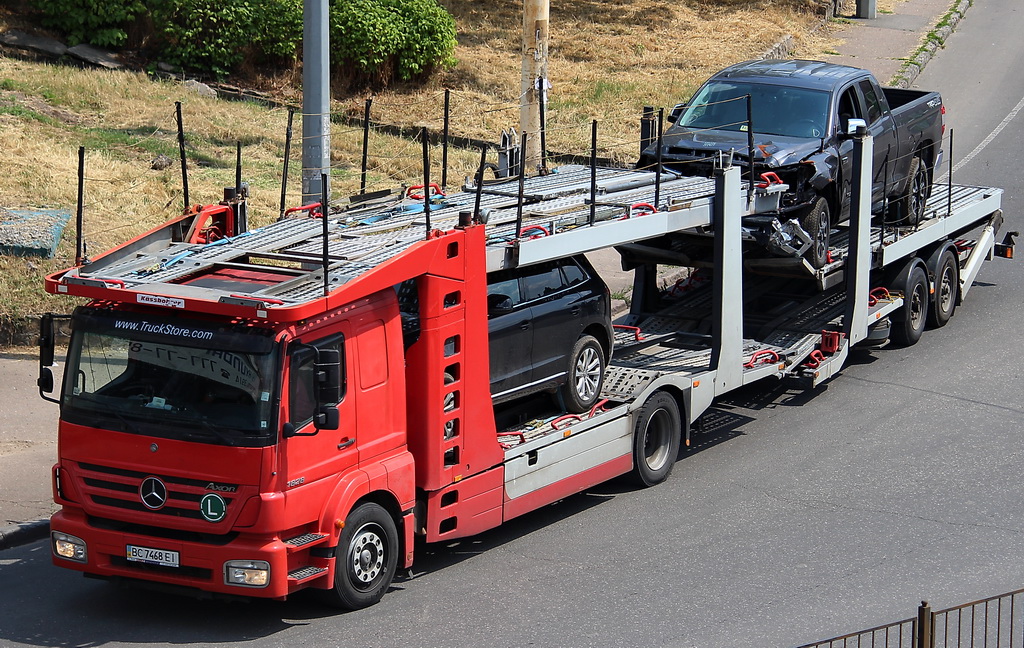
(585, 376)
(909, 321)
(366, 558)
(947, 287)
(818, 224)
(656, 439)
(915, 196)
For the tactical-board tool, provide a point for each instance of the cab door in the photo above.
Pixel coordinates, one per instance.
(310, 455)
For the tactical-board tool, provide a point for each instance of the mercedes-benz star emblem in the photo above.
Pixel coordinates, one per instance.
(153, 493)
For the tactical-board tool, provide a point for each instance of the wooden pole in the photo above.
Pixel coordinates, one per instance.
(534, 72)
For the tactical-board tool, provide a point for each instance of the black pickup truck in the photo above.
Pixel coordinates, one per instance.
(800, 115)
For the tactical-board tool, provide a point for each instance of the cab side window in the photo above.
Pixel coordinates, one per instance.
(302, 381)
(871, 99)
(849, 108)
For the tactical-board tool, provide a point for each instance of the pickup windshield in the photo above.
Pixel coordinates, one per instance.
(172, 379)
(777, 110)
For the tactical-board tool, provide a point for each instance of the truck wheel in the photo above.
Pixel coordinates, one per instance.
(656, 439)
(908, 322)
(366, 557)
(915, 197)
(818, 223)
(586, 375)
(947, 284)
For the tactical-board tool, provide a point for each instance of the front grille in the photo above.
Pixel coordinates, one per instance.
(118, 488)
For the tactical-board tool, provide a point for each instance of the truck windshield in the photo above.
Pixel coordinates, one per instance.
(177, 379)
(776, 110)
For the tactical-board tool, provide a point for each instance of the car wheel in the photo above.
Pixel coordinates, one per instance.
(818, 224)
(366, 558)
(586, 375)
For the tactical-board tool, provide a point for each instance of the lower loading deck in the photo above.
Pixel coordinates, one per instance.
(783, 326)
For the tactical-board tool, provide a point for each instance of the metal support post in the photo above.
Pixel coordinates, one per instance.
(426, 178)
(181, 150)
(593, 172)
(80, 217)
(925, 626)
(657, 170)
(646, 128)
(316, 98)
(287, 159)
(858, 261)
(727, 283)
(366, 145)
(444, 138)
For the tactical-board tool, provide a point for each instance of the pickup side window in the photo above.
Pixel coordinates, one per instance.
(871, 99)
(849, 108)
(302, 384)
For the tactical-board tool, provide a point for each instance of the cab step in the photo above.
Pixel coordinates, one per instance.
(303, 574)
(305, 540)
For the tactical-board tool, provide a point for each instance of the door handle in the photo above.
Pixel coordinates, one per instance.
(575, 310)
(524, 324)
(345, 443)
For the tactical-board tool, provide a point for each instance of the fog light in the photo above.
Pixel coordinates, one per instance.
(69, 547)
(247, 573)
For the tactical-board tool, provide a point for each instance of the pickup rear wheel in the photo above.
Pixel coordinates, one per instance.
(908, 322)
(656, 439)
(914, 198)
(366, 557)
(586, 375)
(818, 224)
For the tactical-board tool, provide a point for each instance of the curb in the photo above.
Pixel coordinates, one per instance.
(935, 39)
(24, 533)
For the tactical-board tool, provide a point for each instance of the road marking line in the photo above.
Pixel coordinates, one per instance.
(988, 140)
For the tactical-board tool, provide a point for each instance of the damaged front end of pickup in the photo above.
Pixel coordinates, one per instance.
(791, 184)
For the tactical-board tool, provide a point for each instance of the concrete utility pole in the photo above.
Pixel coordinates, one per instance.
(316, 99)
(535, 66)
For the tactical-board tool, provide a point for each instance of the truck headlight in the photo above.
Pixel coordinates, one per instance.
(69, 547)
(247, 573)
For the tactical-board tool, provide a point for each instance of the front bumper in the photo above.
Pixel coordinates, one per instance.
(201, 561)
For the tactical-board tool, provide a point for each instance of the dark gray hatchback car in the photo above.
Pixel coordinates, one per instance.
(550, 329)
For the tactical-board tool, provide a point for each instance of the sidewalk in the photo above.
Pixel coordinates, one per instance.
(28, 443)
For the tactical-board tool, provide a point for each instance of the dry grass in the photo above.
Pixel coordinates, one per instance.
(607, 60)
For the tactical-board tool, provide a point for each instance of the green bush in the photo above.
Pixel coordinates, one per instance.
(218, 35)
(99, 22)
(377, 40)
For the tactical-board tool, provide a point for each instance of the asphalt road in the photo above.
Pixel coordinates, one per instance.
(796, 517)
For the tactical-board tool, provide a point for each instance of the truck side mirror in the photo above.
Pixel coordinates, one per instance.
(673, 115)
(47, 343)
(328, 389)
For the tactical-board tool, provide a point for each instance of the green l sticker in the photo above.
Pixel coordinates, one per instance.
(213, 507)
